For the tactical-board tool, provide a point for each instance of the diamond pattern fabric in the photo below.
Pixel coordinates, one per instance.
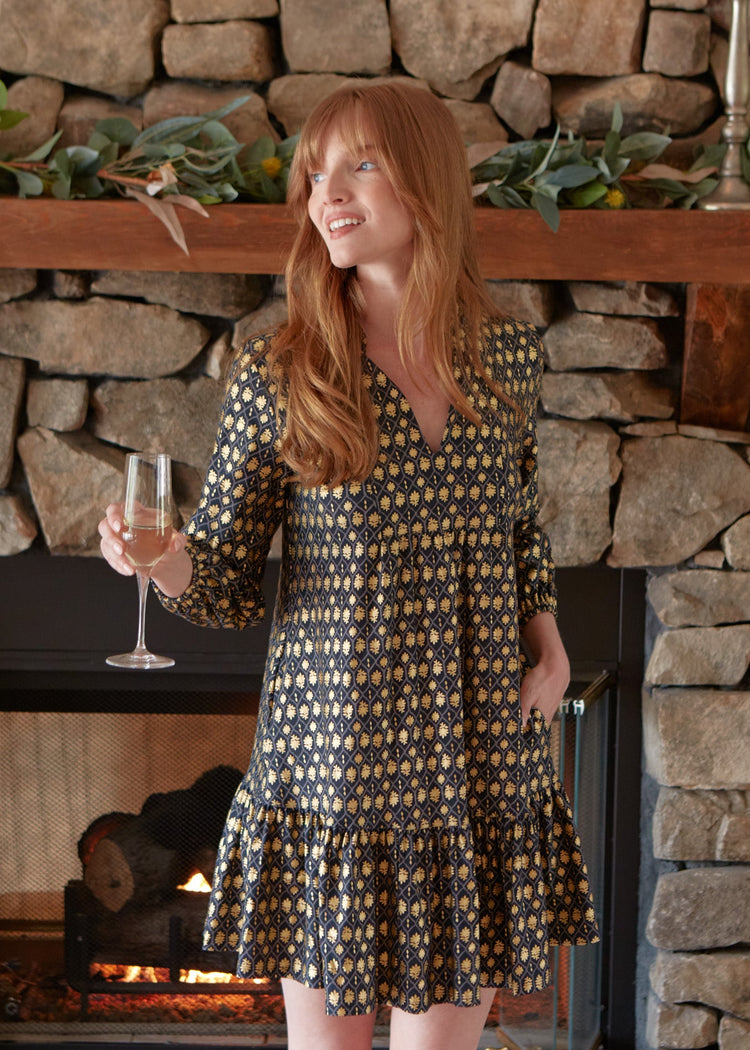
(400, 836)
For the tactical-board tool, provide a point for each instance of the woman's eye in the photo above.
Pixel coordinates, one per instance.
(367, 165)
(316, 176)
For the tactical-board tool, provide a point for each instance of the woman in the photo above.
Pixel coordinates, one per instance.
(400, 836)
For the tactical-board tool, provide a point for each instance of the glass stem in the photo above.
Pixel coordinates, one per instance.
(140, 645)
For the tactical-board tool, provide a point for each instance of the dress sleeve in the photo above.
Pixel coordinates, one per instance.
(535, 569)
(241, 504)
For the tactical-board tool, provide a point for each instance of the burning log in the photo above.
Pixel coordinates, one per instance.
(142, 858)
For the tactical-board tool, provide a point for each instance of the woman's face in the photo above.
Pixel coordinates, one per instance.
(354, 208)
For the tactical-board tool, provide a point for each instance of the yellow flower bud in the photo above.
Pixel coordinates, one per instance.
(271, 166)
(614, 198)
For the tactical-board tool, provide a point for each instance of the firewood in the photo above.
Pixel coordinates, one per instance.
(142, 860)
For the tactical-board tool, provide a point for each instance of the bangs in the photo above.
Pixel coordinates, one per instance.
(343, 113)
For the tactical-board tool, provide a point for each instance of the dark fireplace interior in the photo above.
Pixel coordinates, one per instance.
(63, 616)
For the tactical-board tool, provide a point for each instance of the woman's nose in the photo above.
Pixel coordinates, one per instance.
(336, 189)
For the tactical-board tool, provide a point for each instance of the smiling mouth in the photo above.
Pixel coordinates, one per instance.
(339, 224)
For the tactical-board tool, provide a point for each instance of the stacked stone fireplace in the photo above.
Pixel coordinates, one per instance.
(96, 363)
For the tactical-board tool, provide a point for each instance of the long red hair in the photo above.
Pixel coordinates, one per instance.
(330, 432)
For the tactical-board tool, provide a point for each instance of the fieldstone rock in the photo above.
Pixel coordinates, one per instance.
(101, 337)
(687, 1027)
(270, 315)
(71, 284)
(17, 528)
(522, 97)
(736, 544)
(80, 113)
(218, 358)
(729, 437)
(628, 298)
(464, 89)
(649, 102)
(700, 598)
(697, 738)
(72, 478)
(165, 415)
(649, 429)
(621, 396)
(701, 825)
(733, 839)
(12, 380)
(578, 465)
(187, 483)
(700, 908)
(476, 121)
(591, 38)
(175, 98)
(292, 98)
(75, 44)
(700, 656)
(718, 60)
(677, 43)
(682, 5)
(238, 50)
(222, 10)
(531, 301)
(457, 40)
(599, 341)
(336, 36)
(676, 495)
(707, 559)
(39, 97)
(15, 283)
(213, 294)
(57, 404)
(734, 1034)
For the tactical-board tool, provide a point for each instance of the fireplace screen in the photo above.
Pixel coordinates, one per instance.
(109, 824)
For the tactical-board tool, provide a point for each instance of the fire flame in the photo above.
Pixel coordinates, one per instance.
(196, 884)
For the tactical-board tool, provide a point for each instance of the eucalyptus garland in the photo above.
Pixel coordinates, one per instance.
(194, 161)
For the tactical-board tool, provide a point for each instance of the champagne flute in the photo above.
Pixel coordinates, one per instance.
(146, 531)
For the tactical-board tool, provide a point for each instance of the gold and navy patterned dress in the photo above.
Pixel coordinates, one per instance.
(400, 836)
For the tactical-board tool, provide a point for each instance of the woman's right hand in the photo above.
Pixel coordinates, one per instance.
(172, 573)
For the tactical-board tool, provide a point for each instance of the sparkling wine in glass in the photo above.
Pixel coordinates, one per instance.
(146, 530)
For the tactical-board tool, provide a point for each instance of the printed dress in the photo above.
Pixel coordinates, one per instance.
(400, 836)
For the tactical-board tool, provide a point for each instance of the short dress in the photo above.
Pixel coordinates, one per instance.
(400, 837)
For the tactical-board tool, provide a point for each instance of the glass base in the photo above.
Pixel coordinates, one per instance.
(141, 660)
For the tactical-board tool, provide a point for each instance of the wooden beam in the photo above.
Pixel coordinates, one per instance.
(716, 364)
(591, 245)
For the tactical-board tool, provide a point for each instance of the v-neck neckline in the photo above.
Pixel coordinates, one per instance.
(375, 368)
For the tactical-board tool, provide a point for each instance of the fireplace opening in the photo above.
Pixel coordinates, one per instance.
(83, 764)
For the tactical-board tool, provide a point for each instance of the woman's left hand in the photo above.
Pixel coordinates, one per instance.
(544, 687)
(545, 683)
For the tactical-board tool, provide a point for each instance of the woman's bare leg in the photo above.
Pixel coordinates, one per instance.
(308, 1027)
(443, 1027)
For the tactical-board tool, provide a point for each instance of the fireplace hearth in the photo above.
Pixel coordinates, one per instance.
(107, 740)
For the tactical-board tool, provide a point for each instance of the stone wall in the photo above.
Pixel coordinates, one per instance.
(95, 364)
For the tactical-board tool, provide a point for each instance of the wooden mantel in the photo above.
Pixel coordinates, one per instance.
(648, 245)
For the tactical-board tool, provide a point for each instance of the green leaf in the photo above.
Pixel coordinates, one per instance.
(10, 117)
(573, 175)
(548, 210)
(3, 95)
(616, 118)
(29, 184)
(261, 149)
(183, 128)
(611, 149)
(644, 145)
(76, 159)
(117, 129)
(61, 187)
(44, 150)
(585, 196)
